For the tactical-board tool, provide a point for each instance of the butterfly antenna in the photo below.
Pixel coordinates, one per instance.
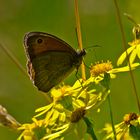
(94, 46)
(95, 56)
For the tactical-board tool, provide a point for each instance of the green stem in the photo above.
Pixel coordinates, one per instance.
(14, 59)
(90, 129)
(125, 48)
(111, 116)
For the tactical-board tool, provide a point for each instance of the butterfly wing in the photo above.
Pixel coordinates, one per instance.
(50, 59)
(50, 69)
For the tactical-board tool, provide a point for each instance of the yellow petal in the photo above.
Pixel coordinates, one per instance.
(55, 116)
(123, 56)
(133, 56)
(138, 51)
(43, 110)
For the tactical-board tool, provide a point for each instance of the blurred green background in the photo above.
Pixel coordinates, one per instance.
(99, 27)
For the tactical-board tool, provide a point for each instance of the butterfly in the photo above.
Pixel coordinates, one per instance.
(49, 59)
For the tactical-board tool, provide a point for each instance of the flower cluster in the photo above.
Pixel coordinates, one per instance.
(128, 129)
(70, 104)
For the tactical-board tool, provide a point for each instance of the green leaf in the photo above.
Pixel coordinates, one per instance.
(67, 102)
(134, 131)
(90, 129)
(39, 132)
(106, 81)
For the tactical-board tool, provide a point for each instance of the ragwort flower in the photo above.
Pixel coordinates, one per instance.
(134, 50)
(128, 129)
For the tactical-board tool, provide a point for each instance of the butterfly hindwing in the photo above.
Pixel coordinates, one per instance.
(50, 69)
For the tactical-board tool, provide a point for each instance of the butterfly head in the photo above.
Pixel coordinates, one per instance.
(78, 60)
(81, 53)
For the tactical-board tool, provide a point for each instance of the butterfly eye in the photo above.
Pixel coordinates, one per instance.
(39, 40)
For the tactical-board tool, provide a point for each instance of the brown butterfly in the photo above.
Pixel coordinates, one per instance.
(50, 59)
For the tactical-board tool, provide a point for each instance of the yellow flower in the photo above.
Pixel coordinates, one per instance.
(129, 129)
(28, 130)
(100, 69)
(132, 52)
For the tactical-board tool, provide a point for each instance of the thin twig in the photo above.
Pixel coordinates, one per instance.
(125, 48)
(14, 59)
(78, 29)
(17, 63)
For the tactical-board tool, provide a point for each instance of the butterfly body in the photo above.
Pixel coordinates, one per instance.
(50, 59)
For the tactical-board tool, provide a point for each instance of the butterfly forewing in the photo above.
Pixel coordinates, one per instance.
(50, 59)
